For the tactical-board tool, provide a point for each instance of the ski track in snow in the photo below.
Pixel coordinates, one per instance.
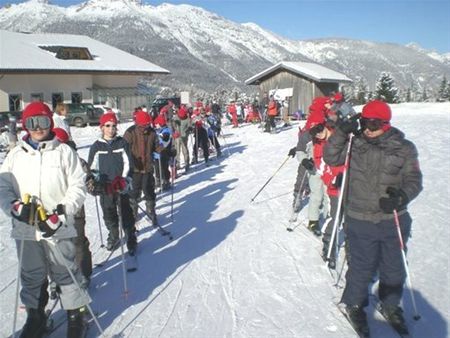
(232, 269)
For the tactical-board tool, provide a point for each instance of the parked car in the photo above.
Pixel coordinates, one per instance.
(4, 118)
(163, 101)
(81, 114)
(104, 109)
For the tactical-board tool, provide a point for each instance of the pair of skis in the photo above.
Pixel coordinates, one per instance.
(402, 332)
(131, 261)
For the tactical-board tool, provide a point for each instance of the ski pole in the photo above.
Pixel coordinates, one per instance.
(174, 163)
(340, 272)
(225, 143)
(63, 260)
(337, 216)
(16, 303)
(98, 221)
(119, 216)
(270, 178)
(405, 264)
(160, 175)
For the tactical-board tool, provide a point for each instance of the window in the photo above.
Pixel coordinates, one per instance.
(69, 53)
(15, 102)
(37, 97)
(57, 98)
(77, 97)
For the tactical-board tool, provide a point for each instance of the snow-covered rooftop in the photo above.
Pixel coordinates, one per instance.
(21, 52)
(310, 70)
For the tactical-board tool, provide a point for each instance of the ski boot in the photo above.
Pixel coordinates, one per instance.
(314, 227)
(394, 315)
(35, 325)
(77, 323)
(113, 242)
(165, 186)
(332, 260)
(358, 318)
(150, 208)
(132, 242)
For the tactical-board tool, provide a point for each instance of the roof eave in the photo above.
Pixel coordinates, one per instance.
(82, 71)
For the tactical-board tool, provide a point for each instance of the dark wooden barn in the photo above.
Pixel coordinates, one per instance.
(299, 82)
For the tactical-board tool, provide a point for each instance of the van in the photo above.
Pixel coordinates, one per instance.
(82, 114)
(164, 101)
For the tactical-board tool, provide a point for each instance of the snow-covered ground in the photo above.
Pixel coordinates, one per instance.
(233, 270)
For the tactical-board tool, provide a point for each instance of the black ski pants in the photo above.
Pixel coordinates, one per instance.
(142, 183)
(201, 140)
(110, 216)
(375, 247)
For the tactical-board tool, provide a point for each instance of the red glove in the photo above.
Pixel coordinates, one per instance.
(176, 134)
(119, 184)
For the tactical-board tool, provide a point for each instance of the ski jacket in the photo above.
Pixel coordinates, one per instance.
(327, 172)
(110, 158)
(61, 122)
(272, 110)
(142, 143)
(375, 164)
(183, 126)
(53, 174)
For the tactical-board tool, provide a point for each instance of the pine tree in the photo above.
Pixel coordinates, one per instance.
(385, 89)
(424, 97)
(443, 92)
(361, 92)
(408, 95)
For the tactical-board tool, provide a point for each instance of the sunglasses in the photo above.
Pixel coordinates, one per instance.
(316, 130)
(34, 123)
(371, 124)
(110, 125)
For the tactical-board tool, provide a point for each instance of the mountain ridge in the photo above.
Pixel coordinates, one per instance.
(206, 51)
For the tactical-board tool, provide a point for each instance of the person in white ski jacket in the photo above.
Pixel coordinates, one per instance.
(50, 173)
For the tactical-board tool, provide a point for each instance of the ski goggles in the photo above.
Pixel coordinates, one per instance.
(316, 130)
(372, 124)
(38, 122)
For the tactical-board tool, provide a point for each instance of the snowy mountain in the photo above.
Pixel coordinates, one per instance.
(232, 269)
(206, 51)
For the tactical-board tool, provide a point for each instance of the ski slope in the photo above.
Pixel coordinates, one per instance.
(232, 269)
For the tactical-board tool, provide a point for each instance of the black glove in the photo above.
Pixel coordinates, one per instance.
(397, 200)
(292, 152)
(349, 125)
(21, 211)
(338, 180)
(308, 163)
(173, 152)
(48, 224)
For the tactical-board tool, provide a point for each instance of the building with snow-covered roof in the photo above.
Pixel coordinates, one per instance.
(300, 82)
(70, 69)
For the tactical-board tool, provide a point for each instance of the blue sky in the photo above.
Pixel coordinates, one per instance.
(426, 22)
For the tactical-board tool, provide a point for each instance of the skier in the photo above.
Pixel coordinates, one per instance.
(183, 125)
(200, 140)
(83, 256)
(165, 156)
(331, 176)
(272, 112)
(143, 141)
(109, 156)
(43, 202)
(304, 152)
(213, 129)
(384, 176)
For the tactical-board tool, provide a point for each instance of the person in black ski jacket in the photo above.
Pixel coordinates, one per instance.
(384, 176)
(110, 157)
